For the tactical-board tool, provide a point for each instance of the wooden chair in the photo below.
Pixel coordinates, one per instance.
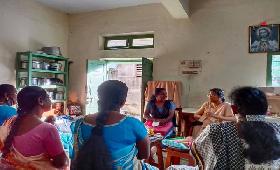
(174, 156)
(183, 122)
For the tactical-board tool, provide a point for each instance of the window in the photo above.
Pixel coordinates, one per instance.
(138, 42)
(273, 69)
(129, 42)
(116, 43)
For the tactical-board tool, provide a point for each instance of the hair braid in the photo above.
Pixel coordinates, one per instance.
(27, 99)
(95, 154)
(261, 137)
(263, 143)
(14, 128)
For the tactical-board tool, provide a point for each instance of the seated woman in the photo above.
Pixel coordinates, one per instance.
(28, 143)
(159, 112)
(108, 139)
(251, 143)
(8, 94)
(215, 110)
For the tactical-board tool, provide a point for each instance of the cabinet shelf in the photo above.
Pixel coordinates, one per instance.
(43, 55)
(48, 71)
(42, 71)
(47, 86)
(25, 75)
(52, 86)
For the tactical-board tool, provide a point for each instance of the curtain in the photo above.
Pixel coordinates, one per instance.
(173, 89)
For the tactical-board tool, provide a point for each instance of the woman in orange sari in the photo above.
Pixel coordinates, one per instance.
(25, 141)
(214, 111)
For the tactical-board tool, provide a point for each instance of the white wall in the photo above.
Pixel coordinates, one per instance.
(216, 32)
(27, 25)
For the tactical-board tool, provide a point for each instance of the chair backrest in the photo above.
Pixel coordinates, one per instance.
(184, 122)
(177, 121)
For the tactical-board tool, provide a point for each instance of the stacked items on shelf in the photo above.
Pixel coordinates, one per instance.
(47, 71)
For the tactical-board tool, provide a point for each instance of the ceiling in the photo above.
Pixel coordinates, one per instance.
(77, 6)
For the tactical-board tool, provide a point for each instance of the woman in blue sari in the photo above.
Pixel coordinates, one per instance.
(108, 139)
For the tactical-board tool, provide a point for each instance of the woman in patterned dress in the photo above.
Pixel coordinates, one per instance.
(251, 143)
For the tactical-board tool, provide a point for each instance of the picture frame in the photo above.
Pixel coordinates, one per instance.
(264, 39)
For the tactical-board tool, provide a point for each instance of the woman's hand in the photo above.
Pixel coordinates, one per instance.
(154, 119)
(210, 114)
(161, 121)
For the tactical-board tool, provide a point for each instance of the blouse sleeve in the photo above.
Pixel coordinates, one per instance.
(139, 130)
(52, 142)
(173, 106)
(149, 106)
(228, 111)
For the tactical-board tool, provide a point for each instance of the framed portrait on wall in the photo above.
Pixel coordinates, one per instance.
(264, 38)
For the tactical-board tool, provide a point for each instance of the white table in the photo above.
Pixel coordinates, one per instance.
(189, 110)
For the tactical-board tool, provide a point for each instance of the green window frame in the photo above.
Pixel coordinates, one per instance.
(129, 41)
(273, 69)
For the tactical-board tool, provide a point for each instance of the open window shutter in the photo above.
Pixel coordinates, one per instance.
(147, 75)
(273, 69)
(96, 74)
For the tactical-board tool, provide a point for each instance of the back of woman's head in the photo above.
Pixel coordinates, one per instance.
(219, 92)
(112, 95)
(249, 101)
(27, 100)
(8, 94)
(6, 89)
(94, 154)
(263, 145)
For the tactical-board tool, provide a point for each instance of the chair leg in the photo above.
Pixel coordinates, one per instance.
(190, 159)
(176, 160)
(160, 156)
(173, 158)
(168, 160)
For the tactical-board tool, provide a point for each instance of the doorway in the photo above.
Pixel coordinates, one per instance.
(134, 72)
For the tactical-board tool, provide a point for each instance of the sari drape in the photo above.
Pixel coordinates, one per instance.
(15, 160)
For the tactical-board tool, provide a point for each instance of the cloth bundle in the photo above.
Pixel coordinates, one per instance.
(178, 143)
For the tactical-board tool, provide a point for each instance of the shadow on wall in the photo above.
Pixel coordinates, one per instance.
(8, 50)
(35, 44)
(7, 63)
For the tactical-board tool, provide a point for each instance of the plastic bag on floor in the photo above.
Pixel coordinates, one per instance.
(182, 167)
